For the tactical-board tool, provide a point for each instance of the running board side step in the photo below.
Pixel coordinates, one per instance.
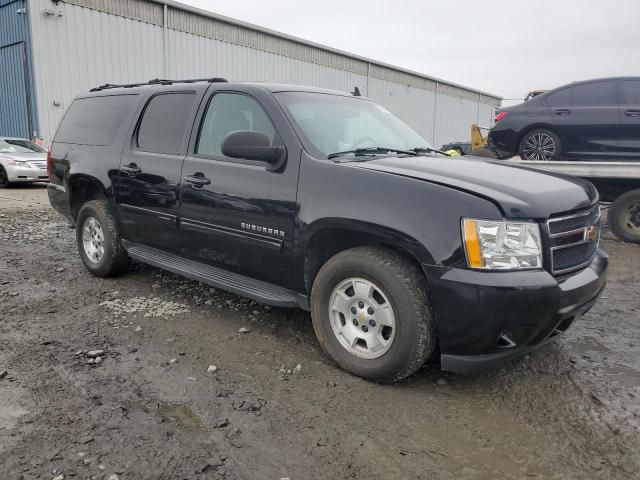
(257, 290)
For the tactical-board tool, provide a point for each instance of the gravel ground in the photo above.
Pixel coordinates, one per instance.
(150, 376)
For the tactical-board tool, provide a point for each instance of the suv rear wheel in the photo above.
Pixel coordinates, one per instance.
(624, 217)
(371, 313)
(540, 144)
(99, 239)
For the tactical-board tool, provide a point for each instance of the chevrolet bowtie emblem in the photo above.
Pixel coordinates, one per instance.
(361, 317)
(591, 233)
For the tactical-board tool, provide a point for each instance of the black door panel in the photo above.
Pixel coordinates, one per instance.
(630, 118)
(147, 186)
(589, 125)
(233, 213)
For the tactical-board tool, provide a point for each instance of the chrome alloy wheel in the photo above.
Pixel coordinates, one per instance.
(362, 318)
(539, 146)
(93, 240)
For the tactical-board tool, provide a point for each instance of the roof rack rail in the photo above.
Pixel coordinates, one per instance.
(158, 81)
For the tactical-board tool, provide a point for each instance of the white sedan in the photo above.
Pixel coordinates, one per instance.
(21, 161)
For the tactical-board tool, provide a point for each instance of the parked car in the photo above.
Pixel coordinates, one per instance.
(463, 148)
(21, 161)
(302, 197)
(593, 119)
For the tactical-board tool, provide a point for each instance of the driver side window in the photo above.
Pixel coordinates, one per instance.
(230, 112)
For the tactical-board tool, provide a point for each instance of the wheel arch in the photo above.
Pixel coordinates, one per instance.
(536, 126)
(83, 188)
(328, 237)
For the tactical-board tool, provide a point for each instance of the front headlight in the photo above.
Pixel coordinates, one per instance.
(502, 245)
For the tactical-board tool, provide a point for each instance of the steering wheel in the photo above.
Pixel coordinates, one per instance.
(362, 140)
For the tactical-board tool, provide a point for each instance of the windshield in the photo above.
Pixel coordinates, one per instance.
(18, 145)
(335, 123)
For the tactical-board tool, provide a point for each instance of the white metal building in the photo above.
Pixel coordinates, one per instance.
(51, 50)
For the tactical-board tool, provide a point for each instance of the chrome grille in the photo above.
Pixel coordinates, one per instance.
(573, 240)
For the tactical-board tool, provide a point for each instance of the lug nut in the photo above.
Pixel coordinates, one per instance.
(372, 323)
(355, 322)
(353, 310)
(370, 311)
(361, 304)
(365, 329)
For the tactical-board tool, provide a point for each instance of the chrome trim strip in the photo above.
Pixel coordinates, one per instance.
(209, 227)
(148, 211)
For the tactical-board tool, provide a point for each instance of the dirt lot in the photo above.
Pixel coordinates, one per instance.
(276, 407)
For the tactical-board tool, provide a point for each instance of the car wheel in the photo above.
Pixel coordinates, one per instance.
(624, 217)
(4, 178)
(540, 144)
(371, 313)
(99, 241)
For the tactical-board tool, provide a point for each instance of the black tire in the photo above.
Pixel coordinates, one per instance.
(405, 287)
(542, 136)
(624, 217)
(115, 260)
(4, 179)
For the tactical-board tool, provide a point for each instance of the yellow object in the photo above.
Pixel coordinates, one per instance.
(453, 152)
(472, 243)
(478, 140)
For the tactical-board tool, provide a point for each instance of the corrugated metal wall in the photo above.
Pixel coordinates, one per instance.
(120, 41)
(17, 107)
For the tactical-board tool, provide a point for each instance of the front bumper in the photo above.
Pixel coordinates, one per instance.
(26, 173)
(486, 318)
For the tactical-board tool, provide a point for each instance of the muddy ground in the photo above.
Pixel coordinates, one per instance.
(276, 407)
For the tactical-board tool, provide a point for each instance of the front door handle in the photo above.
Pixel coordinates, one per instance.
(198, 180)
(131, 169)
(632, 113)
(563, 111)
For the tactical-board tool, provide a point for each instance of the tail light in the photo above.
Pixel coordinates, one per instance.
(500, 116)
(49, 164)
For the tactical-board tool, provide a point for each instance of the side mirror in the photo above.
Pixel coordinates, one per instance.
(252, 145)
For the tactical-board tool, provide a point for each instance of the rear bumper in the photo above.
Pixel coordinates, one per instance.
(485, 319)
(59, 200)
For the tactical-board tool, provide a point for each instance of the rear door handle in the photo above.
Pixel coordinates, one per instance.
(632, 113)
(563, 111)
(131, 169)
(198, 180)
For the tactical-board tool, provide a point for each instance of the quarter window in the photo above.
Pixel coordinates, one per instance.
(164, 123)
(230, 112)
(594, 94)
(631, 92)
(560, 98)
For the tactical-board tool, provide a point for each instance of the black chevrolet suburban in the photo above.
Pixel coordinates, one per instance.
(311, 198)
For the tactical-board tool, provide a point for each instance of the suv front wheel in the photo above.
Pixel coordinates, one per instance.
(99, 240)
(371, 313)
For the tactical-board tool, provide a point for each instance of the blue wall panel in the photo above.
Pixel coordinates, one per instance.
(17, 101)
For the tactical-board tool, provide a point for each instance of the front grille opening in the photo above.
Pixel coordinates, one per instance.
(573, 256)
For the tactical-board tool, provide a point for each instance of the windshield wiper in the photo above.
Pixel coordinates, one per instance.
(372, 151)
(429, 150)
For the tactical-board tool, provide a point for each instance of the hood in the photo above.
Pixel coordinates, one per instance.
(25, 157)
(520, 192)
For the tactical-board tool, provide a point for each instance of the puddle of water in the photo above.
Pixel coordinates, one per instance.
(180, 415)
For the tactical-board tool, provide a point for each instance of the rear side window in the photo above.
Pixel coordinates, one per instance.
(95, 120)
(594, 94)
(559, 99)
(164, 123)
(631, 92)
